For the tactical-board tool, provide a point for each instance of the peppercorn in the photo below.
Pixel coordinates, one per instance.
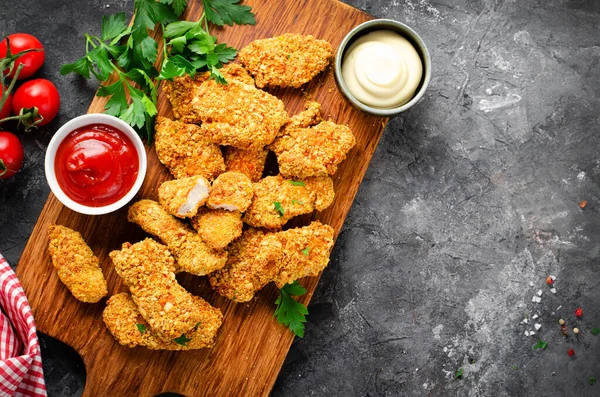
(549, 280)
(575, 330)
(578, 312)
(561, 321)
(571, 352)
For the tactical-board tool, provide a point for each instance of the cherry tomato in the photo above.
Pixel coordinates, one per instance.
(11, 154)
(40, 93)
(6, 110)
(31, 61)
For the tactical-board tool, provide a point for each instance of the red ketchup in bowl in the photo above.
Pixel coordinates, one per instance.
(96, 165)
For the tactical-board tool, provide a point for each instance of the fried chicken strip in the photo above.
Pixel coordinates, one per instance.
(290, 60)
(231, 191)
(236, 114)
(147, 268)
(314, 151)
(249, 162)
(129, 328)
(192, 254)
(252, 263)
(295, 198)
(306, 252)
(76, 265)
(186, 151)
(218, 228)
(182, 197)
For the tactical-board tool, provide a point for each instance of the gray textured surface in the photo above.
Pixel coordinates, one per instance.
(470, 197)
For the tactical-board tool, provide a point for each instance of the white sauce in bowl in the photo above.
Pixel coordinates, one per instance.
(382, 69)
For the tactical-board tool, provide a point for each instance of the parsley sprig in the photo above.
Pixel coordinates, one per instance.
(289, 311)
(131, 53)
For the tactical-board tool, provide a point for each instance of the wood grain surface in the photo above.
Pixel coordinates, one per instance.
(251, 345)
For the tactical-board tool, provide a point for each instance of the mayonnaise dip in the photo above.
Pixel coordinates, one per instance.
(382, 69)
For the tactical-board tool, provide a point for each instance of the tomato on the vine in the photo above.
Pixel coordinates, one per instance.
(40, 93)
(6, 109)
(31, 61)
(11, 154)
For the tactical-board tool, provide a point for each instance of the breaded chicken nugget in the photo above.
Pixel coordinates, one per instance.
(231, 191)
(180, 90)
(311, 115)
(233, 114)
(147, 268)
(277, 200)
(76, 265)
(314, 151)
(126, 324)
(252, 263)
(192, 254)
(185, 151)
(290, 60)
(182, 197)
(218, 228)
(249, 162)
(306, 252)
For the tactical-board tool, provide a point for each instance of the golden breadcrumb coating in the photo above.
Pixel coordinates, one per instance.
(249, 162)
(76, 265)
(290, 60)
(233, 114)
(126, 324)
(192, 254)
(182, 197)
(180, 90)
(305, 252)
(231, 191)
(252, 263)
(314, 151)
(147, 268)
(311, 115)
(295, 197)
(218, 228)
(185, 151)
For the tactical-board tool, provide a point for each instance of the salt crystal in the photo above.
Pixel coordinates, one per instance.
(531, 283)
(531, 333)
(537, 326)
(553, 290)
(539, 292)
(526, 333)
(536, 299)
(558, 308)
(535, 316)
(525, 321)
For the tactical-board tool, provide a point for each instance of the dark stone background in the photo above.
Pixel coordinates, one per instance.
(471, 196)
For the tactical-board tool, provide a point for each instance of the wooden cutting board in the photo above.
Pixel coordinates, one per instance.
(251, 345)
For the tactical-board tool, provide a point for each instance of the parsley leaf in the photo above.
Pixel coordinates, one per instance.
(178, 5)
(595, 331)
(279, 208)
(113, 26)
(182, 340)
(540, 345)
(141, 328)
(458, 374)
(305, 251)
(592, 380)
(297, 183)
(290, 312)
(228, 12)
(81, 66)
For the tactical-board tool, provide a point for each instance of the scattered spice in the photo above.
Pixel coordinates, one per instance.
(561, 321)
(578, 312)
(575, 330)
(514, 367)
(582, 204)
(571, 352)
(592, 380)
(549, 280)
(564, 330)
(141, 328)
(458, 374)
(540, 345)
(595, 331)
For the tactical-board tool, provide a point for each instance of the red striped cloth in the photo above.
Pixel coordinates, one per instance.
(21, 371)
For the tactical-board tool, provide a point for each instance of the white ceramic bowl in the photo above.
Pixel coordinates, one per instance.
(82, 121)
